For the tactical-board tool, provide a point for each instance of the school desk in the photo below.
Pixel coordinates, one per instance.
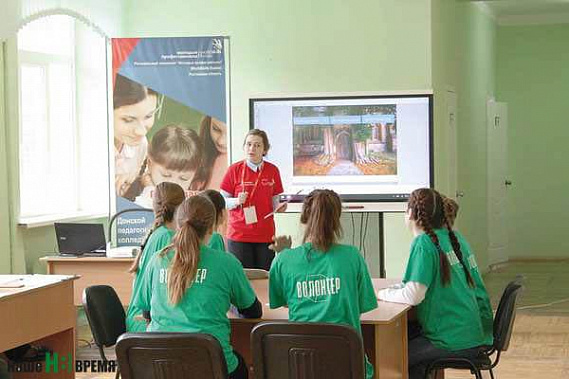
(384, 331)
(42, 312)
(94, 271)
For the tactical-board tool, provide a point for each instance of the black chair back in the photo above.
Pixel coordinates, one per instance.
(105, 314)
(289, 350)
(170, 356)
(505, 316)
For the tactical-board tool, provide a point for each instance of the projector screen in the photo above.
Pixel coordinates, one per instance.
(366, 148)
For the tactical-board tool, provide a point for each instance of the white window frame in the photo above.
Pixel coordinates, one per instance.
(73, 213)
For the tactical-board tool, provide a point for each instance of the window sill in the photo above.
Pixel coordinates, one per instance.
(47, 220)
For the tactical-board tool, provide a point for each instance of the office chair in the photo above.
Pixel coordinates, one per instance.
(106, 316)
(290, 350)
(170, 356)
(503, 327)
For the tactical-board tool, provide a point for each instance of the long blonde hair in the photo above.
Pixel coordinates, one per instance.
(195, 218)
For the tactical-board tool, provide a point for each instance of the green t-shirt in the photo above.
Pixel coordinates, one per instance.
(330, 287)
(220, 281)
(159, 239)
(216, 242)
(457, 316)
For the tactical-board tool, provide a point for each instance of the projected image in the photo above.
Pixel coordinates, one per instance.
(344, 140)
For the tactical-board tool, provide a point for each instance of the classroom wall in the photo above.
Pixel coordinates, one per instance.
(533, 78)
(21, 248)
(305, 46)
(464, 49)
(4, 197)
(476, 44)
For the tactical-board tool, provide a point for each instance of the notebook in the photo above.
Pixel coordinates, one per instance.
(80, 239)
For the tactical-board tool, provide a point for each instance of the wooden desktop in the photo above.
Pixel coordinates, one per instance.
(384, 331)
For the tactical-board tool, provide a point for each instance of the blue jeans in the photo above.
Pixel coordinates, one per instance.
(422, 352)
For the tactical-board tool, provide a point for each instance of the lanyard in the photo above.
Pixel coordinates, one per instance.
(260, 171)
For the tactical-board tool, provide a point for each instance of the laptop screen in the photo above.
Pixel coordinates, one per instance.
(80, 238)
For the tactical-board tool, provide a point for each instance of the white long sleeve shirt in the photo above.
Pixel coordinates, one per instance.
(411, 293)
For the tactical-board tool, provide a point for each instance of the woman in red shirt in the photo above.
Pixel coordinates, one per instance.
(251, 188)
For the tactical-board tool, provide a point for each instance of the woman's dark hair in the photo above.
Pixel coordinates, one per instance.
(428, 212)
(129, 92)
(195, 217)
(218, 202)
(321, 213)
(264, 137)
(210, 153)
(451, 210)
(166, 198)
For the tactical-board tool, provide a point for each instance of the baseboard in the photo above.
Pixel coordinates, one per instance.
(499, 265)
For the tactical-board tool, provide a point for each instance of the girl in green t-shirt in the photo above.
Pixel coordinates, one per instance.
(166, 198)
(216, 240)
(443, 282)
(190, 287)
(322, 280)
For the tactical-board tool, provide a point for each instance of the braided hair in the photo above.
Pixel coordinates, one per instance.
(428, 212)
(167, 196)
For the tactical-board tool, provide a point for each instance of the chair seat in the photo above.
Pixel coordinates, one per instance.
(482, 362)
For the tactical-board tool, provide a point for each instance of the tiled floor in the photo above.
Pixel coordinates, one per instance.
(539, 347)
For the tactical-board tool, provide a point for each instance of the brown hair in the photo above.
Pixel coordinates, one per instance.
(167, 196)
(176, 148)
(129, 92)
(451, 210)
(321, 213)
(210, 153)
(428, 212)
(195, 218)
(218, 202)
(263, 135)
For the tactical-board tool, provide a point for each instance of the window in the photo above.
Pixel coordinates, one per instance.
(64, 155)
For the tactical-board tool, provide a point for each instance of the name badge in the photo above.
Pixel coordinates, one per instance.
(250, 215)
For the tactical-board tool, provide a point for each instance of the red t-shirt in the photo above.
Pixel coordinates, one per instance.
(269, 185)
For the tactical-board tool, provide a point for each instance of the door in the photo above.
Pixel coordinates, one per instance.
(451, 125)
(497, 181)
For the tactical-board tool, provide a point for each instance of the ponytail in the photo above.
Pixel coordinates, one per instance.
(158, 222)
(321, 213)
(184, 266)
(167, 197)
(195, 218)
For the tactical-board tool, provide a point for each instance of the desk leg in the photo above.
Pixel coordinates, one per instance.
(389, 349)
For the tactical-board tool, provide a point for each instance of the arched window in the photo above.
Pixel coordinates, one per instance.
(63, 139)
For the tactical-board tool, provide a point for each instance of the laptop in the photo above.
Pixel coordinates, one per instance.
(80, 239)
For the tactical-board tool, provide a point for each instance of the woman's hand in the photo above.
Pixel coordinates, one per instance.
(280, 243)
(281, 208)
(242, 198)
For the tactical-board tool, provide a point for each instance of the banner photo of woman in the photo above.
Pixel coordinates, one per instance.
(169, 123)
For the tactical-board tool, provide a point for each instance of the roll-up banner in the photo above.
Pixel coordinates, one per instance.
(170, 123)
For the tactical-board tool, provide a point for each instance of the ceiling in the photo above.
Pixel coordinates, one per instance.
(528, 11)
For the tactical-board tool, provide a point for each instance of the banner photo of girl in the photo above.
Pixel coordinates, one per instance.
(169, 118)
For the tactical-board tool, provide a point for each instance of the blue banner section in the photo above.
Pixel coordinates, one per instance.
(133, 225)
(190, 70)
(345, 120)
